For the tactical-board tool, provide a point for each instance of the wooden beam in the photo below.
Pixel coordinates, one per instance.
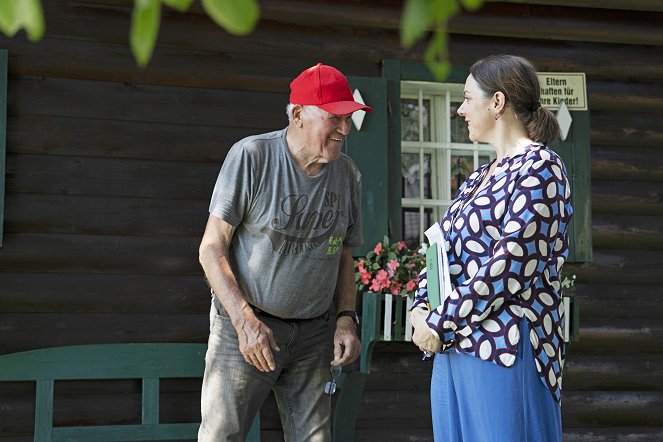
(627, 5)
(548, 23)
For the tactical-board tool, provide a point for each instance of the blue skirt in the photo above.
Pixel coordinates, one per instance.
(478, 401)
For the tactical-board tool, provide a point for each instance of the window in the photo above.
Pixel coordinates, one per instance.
(414, 127)
(436, 153)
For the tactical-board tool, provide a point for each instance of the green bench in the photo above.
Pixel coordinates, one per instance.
(150, 363)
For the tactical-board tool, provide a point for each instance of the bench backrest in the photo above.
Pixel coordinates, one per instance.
(148, 362)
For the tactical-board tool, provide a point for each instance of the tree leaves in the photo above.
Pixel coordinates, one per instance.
(238, 17)
(22, 14)
(145, 21)
(180, 5)
(416, 21)
(420, 17)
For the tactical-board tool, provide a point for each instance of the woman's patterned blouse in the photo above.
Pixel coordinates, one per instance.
(506, 246)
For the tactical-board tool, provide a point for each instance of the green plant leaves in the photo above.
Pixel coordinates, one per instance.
(472, 5)
(145, 21)
(180, 5)
(22, 14)
(421, 16)
(415, 21)
(238, 17)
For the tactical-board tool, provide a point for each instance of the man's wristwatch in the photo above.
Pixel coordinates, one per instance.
(350, 313)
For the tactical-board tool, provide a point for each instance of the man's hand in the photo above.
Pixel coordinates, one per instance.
(425, 338)
(256, 343)
(346, 343)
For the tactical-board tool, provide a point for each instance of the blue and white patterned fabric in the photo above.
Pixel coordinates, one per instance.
(506, 247)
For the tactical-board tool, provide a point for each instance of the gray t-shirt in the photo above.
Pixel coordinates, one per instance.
(291, 227)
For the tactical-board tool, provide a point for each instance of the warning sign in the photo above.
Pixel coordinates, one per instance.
(563, 87)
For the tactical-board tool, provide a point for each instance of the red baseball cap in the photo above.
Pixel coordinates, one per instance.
(325, 87)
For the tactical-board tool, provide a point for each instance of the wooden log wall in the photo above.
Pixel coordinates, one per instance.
(110, 170)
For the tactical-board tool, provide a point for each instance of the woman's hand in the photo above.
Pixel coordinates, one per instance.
(424, 338)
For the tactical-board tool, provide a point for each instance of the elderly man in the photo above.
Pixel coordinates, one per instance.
(276, 252)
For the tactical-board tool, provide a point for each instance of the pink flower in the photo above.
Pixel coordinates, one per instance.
(396, 289)
(400, 245)
(378, 248)
(365, 276)
(375, 286)
(393, 265)
(381, 276)
(410, 286)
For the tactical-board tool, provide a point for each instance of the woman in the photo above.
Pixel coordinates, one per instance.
(498, 336)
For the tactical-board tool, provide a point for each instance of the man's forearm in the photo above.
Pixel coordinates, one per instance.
(346, 291)
(223, 283)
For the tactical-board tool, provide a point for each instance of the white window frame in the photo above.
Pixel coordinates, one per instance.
(440, 147)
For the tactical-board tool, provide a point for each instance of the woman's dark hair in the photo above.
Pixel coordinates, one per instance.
(516, 78)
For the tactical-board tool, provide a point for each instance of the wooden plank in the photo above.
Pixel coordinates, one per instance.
(633, 163)
(99, 215)
(627, 5)
(161, 104)
(613, 372)
(627, 232)
(24, 292)
(627, 197)
(3, 136)
(33, 331)
(45, 174)
(630, 337)
(614, 302)
(66, 136)
(563, 56)
(632, 128)
(92, 253)
(612, 408)
(641, 95)
(612, 266)
(114, 63)
(598, 434)
(270, 38)
(570, 24)
(391, 405)
(111, 361)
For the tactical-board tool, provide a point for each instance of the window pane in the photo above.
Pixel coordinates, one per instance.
(459, 132)
(411, 224)
(483, 159)
(461, 167)
(410, 175)
(410, 120)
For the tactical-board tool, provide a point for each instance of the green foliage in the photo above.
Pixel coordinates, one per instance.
(22, 14)
(236, 16)
(389, 268)
(421, 16)
(180, 5)
(239, 17)
(145, 21)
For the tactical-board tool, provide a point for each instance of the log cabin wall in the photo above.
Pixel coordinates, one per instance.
(110, 170)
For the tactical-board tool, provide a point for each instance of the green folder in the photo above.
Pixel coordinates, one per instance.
(433, 276)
